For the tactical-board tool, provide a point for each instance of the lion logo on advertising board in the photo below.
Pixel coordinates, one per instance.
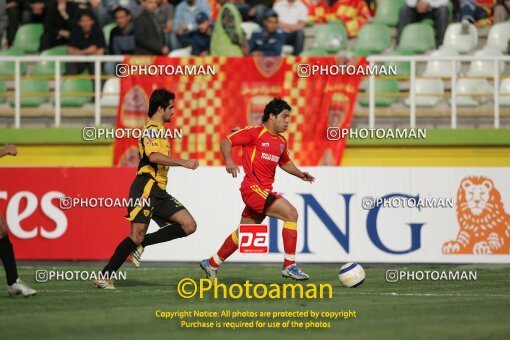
(484, 224)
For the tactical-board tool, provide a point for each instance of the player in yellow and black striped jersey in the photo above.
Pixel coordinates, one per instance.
(14, 285)
(149, 189)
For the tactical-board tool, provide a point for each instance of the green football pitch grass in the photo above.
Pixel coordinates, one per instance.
(402, 310)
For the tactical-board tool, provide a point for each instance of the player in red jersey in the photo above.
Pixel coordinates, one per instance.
(264, 148)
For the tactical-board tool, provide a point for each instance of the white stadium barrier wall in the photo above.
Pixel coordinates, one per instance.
(334, 226)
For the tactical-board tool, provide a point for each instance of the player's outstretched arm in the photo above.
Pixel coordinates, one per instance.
(226, 151)
(293, 170)
(8, 150)
(159, 158)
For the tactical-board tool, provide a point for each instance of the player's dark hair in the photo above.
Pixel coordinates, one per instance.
(159, 97)
(275, 106)
(121, 9)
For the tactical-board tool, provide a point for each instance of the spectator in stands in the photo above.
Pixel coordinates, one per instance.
(122, 36)
(4, 20)
(85, 39)
(228, 39)
(149, 38)
(104, 9)
(165, 14)
(292, 16)
(501, 11)
(252, 12)
(267, 41)
(474, 12)
(100, 12)
(13, 18)
(58, 23)
(417, 10)
(184, 22)
(201, 37)
(34, 11)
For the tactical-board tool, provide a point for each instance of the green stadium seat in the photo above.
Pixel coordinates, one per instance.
(417, 38)
(372, 39)
(331, 37)
(28, 37)
(427, 21)
(7, 67)
(47, 68)
(106, 32)
(76, 92)
(388, 87)
(3, 91)
(387, 12)
(34, 92)
(403, 67)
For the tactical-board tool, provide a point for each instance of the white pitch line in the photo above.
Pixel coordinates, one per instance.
(91, 290)
(423, 294)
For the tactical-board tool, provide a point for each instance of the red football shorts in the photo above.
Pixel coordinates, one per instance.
(257, 201)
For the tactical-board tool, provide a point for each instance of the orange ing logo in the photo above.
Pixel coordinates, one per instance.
(484, 224)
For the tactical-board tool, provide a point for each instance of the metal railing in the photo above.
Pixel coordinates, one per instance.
(413, 60)
(97, 60)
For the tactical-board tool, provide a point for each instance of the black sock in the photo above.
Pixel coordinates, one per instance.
(7, 256)
(168, 233)
(119, 256)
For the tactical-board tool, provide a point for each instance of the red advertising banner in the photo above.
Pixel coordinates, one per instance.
(84, 225)
(234, 95)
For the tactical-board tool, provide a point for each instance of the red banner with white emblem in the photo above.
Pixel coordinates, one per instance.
(232, 95)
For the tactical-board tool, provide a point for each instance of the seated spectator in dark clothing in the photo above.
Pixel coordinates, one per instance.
(184, 21)
(85, 39)
(475, 11)
(22, 12)
(13, 11)
(122, 36)
(59, 21)
(292, 15)
(252, 12)
(417, 10)
(149, 38)
(3, 19)
(165, 15)
(267, 41)
(501, 11)
(34, 11)
(201, 37)
(104, 9)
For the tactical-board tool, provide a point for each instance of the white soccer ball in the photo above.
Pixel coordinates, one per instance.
(351, 275)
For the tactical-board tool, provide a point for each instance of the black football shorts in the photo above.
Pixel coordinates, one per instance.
(151, 201)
